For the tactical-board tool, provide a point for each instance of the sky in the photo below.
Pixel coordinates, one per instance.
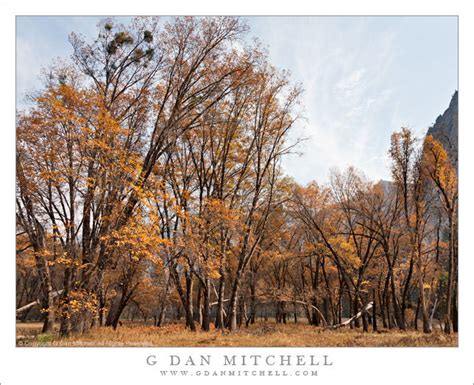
(363, 78)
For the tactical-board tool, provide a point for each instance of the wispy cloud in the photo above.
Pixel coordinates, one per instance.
(346, 92)
(363, 78)
(350, 84)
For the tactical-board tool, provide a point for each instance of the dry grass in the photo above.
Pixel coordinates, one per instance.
(260, 334)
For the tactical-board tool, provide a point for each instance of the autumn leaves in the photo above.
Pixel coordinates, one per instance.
(153, 153)
(149, 180)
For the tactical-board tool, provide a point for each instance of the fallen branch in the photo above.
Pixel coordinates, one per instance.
(433, 310)
(37, 302)
(315, 308)
(358, 315)
(306, 304)
(215, 303)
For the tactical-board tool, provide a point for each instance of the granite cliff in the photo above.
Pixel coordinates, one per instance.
(445, 129)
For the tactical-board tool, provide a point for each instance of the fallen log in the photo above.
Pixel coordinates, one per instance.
(365, 309)
(37, 302)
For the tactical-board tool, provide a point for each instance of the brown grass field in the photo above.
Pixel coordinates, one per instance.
(257, 335)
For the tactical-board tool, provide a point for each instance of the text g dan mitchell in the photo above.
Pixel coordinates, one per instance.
(240, 360)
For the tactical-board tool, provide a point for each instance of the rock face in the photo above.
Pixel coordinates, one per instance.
(445, 129)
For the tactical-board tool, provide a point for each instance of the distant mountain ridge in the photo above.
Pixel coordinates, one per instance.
(445, 129)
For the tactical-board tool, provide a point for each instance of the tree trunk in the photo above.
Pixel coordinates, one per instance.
(220, 304)
(232, 315)
(113, 311)
(455, 310)
(65, 324)
(417, 314)
(374, 312)
(424, 312)
(356, 310)
(189, 302)
(314, 314)
(48, 324)
(252, 302)
(365, 323)
(399, 313)
(102, 300)
(199, 306)
(161, 316)
(449, 295)
(206, 314)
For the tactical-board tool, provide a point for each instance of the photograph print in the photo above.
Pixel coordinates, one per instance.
(224, 181)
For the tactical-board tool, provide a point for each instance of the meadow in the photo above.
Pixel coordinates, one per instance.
(260, 334)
